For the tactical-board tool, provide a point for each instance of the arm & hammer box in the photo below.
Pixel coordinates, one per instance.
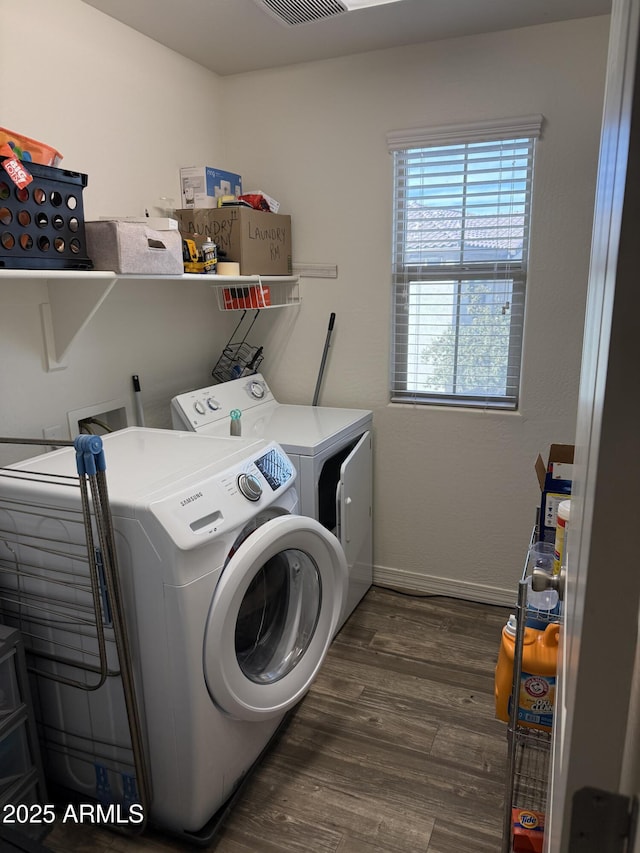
(202, 186)
(259, 241)
(555, 479)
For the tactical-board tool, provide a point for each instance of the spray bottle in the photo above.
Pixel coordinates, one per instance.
(235, 427)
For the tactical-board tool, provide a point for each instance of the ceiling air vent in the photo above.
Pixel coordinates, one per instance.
(302, 11)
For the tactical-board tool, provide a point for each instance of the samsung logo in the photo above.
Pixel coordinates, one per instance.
(191, 499)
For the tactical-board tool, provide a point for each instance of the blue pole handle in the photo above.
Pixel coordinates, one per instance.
(89, 454)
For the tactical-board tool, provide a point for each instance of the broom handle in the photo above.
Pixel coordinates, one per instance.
(332, 320)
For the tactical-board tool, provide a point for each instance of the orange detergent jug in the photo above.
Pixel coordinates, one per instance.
(538, 680)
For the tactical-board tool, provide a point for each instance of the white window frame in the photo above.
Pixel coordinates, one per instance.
(414, 278)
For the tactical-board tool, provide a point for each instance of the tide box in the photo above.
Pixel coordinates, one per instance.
(527, 830)
(555, 480)
(253, 296)
(259, 241)
(202, 186)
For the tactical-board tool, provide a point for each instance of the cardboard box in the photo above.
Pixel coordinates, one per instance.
(132, 248)
(555, 480)
(202, 186)
(260, 242)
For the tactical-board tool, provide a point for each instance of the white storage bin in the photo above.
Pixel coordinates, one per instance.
(134, 249)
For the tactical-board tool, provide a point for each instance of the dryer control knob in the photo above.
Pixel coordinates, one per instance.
(250, 487)
(256, 389)
(199, 407)
(213, 404)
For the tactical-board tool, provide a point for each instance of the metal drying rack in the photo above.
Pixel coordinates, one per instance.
(65, 597)
(238, 357)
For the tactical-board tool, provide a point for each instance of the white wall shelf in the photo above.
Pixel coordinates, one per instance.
(75, 296)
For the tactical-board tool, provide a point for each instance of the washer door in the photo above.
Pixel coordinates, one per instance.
(273, 616)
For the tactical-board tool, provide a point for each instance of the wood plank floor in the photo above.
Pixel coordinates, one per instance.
(395, 749)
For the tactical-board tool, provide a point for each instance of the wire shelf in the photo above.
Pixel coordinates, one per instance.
(239, 358)
(529, 749)
(531, 769)
(256, 292)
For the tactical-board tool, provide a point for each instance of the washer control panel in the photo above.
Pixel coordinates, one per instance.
(261, 475)
(226, 493)
(275, 467)
(204, 406)
(249, 486)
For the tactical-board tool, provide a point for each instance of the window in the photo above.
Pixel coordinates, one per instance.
(462, 202)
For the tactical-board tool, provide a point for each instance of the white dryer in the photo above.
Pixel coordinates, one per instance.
(231, 600)
(331, 449)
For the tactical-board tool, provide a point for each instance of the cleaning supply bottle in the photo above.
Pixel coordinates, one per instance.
(538, 678)
(542, 607)
(562, 529)
(210, 257)
(235, 425)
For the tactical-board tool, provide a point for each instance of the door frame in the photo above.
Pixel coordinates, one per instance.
(603, 582)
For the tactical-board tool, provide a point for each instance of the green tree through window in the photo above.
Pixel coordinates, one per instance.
(471, 357)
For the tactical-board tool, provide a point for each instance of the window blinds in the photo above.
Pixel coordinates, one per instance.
(462, 202)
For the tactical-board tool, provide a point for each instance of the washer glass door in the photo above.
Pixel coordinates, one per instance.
(278, 616)
(273, 615)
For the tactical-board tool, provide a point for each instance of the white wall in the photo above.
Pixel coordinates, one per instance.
(455, 491)
(128, 113)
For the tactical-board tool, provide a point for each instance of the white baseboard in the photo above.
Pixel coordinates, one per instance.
(423, 584)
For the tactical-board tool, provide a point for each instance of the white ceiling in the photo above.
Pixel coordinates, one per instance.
(233, 36)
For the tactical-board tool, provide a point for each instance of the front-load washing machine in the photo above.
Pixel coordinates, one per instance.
(230, 599)
(331, 449)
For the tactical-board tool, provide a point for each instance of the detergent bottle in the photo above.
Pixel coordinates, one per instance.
(538, 679)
